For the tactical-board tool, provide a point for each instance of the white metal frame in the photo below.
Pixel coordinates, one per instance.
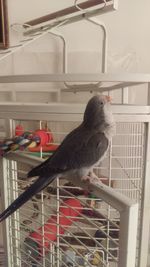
(122, 113)
(134, 78)
(113, 81)
(71, 18)
(52, 31)
(146, 206)
(128, 212)
(32, 33)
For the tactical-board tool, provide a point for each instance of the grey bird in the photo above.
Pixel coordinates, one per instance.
(80, 151)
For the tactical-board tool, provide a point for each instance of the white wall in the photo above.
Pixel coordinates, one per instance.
(128, 47)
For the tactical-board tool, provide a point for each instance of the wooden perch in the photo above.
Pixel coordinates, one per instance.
(4, 27)
(64, 12)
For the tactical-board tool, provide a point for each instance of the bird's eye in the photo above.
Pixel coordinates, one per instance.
(101, 103)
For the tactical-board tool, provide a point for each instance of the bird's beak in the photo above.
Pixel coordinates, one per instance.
(108, 98)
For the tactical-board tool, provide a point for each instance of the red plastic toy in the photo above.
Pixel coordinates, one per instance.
(69, 213)
(19, 130)
(45, 137)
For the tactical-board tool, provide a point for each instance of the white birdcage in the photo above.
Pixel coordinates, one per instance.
(67, 224)
(76, 227)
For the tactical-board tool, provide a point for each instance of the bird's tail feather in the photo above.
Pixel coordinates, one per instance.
(36, 171)
(36, 187)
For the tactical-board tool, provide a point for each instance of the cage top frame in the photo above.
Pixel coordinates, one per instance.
(109, 81)
(78, 77)
(68, 112)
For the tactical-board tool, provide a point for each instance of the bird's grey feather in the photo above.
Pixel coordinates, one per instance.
(78, 153)
(81, 148)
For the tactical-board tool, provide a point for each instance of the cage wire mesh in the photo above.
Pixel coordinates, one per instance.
(65, 225)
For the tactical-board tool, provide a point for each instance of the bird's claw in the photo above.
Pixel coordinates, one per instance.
(92, 177)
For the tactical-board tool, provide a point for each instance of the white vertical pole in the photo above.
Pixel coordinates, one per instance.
(58, 225)
(128, 237)
(13, 96)
(5, 202)
(148, 94)
(115, 4)
(43, 232)
(16, 217)
(125, 95)
(58, 34)
(105, 42)
(145, 206)
(9, 128)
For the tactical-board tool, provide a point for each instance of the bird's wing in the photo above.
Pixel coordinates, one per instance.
(81, 148)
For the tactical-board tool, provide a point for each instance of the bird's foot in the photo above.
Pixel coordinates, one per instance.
(86, 179)
(92, 177)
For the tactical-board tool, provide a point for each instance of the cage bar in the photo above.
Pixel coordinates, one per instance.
(124, 166)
